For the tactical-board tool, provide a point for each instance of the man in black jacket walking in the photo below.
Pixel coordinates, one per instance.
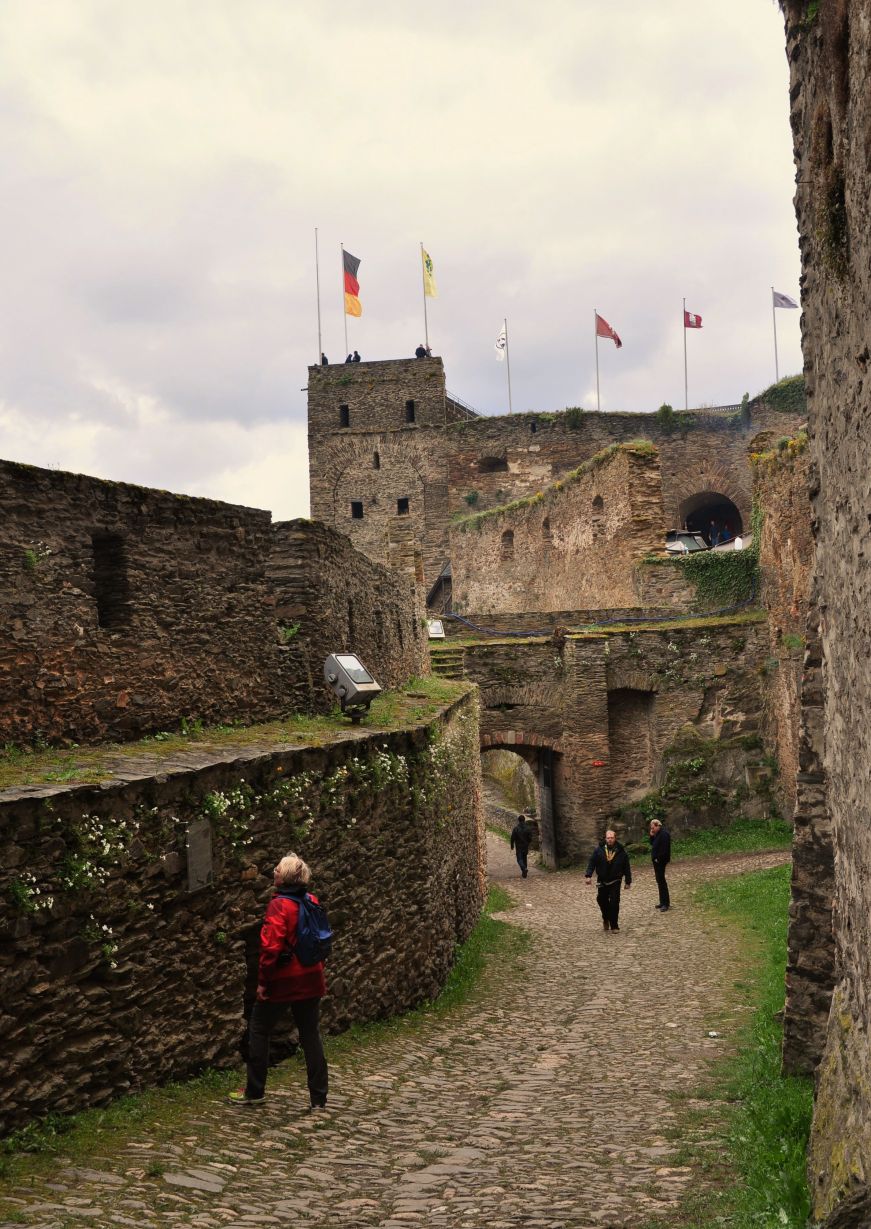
(521, 839)
(610, 861)
(660, 852)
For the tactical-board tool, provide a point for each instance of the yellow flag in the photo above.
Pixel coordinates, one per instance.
(429, 286)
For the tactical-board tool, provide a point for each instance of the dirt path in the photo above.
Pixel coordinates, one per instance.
(542, 1104)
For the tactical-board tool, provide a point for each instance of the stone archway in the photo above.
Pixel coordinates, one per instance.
(698, 511)
(539, 754)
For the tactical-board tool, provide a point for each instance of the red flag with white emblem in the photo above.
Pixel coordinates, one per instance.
(691, 320)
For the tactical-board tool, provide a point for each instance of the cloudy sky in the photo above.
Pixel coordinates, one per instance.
(165, 164)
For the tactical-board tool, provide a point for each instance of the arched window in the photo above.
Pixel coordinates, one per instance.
(546, 535)
(508, 544)
(376, 460)
(598, 514)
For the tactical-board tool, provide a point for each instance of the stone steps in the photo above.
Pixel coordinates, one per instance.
(449, 663)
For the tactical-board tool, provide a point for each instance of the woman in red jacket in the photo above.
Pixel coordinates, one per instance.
(283, 983)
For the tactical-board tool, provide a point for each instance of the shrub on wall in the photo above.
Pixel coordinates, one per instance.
(787, 395)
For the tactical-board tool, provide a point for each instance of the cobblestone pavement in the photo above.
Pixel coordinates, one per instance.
(542, 1104)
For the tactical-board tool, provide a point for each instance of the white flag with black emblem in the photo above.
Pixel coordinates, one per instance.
(501, 343)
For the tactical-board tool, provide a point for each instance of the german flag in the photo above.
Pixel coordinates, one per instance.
(350, 265)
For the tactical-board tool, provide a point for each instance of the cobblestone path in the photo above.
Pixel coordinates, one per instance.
(542, 1104)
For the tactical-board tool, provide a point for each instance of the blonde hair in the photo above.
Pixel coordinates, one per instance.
(293, 872)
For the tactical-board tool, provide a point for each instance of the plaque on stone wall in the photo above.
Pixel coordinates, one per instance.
(199, 851)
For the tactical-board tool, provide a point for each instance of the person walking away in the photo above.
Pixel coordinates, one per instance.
(521, 839)
(285, 984)
(610, 861)
(660, 852)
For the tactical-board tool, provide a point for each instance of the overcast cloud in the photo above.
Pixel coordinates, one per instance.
(165, 164)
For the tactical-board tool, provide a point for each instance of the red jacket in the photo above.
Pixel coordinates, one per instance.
(289, 980)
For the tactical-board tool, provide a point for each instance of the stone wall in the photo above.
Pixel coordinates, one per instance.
(627, 713)
(781, 487)
(829, 51)
(576, 545)
(444, 464)
(127, 609)
(115, 974)
(329, 597)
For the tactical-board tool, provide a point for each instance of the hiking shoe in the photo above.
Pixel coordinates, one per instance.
(241, 1098)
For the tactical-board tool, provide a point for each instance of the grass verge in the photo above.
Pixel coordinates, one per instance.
(742, 836)
(751, 1168)
(159, 1114)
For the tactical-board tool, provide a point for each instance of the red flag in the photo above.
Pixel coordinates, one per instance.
(691, 320)
(603, 329)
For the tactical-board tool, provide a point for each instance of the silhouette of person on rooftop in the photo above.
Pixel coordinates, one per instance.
(356, 358)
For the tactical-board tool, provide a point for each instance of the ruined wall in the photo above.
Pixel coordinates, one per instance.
(445, 464)
(829, 51)
(575, 546)
(620, 712)
(781, 488)
(114, 974)
(127, 609)
(329, 597)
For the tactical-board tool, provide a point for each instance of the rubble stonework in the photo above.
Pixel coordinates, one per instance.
(613, 714)
(610, 515)
(829, 52)
(114, 974)
(449, 462)
(128, 609)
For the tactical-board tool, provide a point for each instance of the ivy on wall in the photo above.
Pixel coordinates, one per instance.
(787, 395)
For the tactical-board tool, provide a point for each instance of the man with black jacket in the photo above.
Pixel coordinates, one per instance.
(521, 839)
(610, 861)
(660, 852)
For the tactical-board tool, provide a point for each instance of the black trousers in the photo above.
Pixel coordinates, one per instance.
(608, 898)
(521, 855)
(306, 1016)
(659, 872)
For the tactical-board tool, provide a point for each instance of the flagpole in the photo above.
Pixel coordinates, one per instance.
(318, 285)
(344, 313)
(423, 286)
(686, 395)
(508, 364)
(774, 325)
(596, 344)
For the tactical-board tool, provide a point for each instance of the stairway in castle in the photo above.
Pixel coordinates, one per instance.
(448, 663)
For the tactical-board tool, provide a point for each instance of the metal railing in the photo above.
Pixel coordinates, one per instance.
(466, 410)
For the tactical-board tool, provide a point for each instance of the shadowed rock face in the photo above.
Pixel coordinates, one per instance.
(829, 49)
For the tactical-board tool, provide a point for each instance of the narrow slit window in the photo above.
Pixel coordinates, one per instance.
(344, 416)
(402, 506)
(111, 585)
(356, 509)
(508, 544)
(376, 460)
(409, 411)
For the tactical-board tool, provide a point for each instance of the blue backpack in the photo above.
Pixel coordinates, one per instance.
(314, 935)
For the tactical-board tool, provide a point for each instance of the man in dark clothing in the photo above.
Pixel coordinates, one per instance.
(349, 359)
(356, 358)
(420, 352)
(610, 861)
(660, 851)
(325, 362)
(521, 839)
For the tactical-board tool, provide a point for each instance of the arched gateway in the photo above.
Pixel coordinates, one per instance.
(539, 754)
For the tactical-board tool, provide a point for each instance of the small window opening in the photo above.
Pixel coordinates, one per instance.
(598, 514)
(409, 411)
(508, 544)
(493, 465)
(546, 534)
(356, 509)
(376, 460)
(402, 506)
(111, 586)
(344, 416)
(352, 631)
(533, 426)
